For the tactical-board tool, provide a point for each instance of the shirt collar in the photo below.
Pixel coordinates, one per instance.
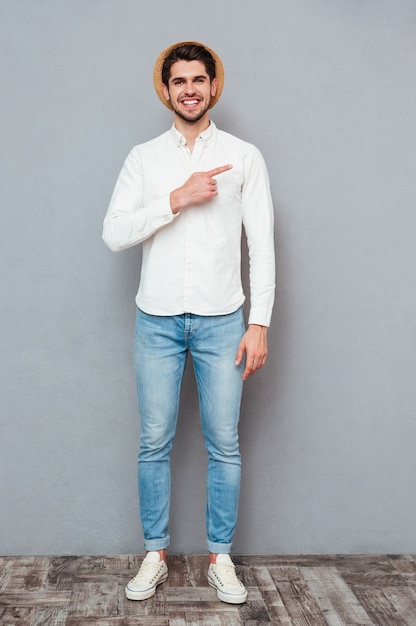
(205, 137)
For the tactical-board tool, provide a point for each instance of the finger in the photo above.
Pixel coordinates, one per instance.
(252, 365)
(219, 170)
(239, 355)
(248, 371)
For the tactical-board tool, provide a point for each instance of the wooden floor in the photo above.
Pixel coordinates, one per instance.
(318, 591)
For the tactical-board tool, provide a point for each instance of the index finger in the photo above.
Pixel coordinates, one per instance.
(219, 170)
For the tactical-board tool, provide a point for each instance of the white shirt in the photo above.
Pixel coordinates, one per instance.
(192, 260)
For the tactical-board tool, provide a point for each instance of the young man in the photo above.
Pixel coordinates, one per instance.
(186, 195)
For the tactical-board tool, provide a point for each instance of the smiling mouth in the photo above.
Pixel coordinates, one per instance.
(190, 102)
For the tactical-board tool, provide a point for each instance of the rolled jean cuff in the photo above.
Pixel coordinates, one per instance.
(218, 548)
(153, 545)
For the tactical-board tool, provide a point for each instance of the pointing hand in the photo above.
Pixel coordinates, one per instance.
(200, 187)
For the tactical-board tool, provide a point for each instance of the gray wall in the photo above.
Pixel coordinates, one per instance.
(326, 89)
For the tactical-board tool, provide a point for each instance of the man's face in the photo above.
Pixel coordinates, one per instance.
(190, 90)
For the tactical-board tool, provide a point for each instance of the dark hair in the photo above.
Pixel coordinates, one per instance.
(188, 52)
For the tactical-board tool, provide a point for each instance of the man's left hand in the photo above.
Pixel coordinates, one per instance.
(254, 344)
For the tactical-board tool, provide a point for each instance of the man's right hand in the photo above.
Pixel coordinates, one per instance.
(199, 187)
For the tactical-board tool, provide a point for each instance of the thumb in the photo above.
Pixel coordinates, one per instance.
(240, 353)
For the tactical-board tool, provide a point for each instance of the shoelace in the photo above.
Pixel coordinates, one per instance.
(147, 572)
(226, 575)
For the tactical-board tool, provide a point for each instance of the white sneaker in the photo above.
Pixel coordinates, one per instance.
(222, 577)
(152, 572)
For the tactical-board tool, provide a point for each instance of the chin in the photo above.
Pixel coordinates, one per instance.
(189, 117)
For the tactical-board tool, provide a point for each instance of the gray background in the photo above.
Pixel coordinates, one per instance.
(326, 89)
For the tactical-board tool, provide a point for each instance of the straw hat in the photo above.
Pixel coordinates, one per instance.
(157, 71)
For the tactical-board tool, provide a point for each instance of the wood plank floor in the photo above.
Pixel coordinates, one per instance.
(291, 590)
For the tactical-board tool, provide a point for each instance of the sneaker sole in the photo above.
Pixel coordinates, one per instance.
(144, 595)
(229, 598)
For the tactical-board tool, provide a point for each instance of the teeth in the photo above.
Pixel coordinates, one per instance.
(190, 101)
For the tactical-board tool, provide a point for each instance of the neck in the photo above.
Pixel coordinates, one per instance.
(191, 130)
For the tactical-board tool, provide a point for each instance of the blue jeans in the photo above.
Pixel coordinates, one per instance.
(161, 348)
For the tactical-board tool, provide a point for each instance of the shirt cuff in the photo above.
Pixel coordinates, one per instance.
(260, 316)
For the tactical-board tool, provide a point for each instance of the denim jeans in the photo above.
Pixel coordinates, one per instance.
(161, 348)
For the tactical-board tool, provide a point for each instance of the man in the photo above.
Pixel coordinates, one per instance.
(186, 195)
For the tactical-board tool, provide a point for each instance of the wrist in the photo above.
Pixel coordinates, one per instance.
(175, 203)
(259, 327)
(178, 200)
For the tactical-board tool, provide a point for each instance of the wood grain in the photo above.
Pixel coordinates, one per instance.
(330, 590)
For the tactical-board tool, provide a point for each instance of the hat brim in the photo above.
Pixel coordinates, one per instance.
(157, 72)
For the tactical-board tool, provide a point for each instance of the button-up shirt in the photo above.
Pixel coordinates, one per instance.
(191, 261)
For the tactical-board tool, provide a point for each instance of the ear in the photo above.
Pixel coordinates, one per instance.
(165, 91)
(214, 86)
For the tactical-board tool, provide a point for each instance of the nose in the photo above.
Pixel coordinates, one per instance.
(190, 88)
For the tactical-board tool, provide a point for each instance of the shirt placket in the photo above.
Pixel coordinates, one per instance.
(193, 160)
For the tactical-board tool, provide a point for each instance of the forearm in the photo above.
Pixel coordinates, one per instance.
(262, 283)
(131, 217)
(123, 229)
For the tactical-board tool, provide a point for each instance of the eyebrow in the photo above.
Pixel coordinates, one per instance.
(203, 76)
